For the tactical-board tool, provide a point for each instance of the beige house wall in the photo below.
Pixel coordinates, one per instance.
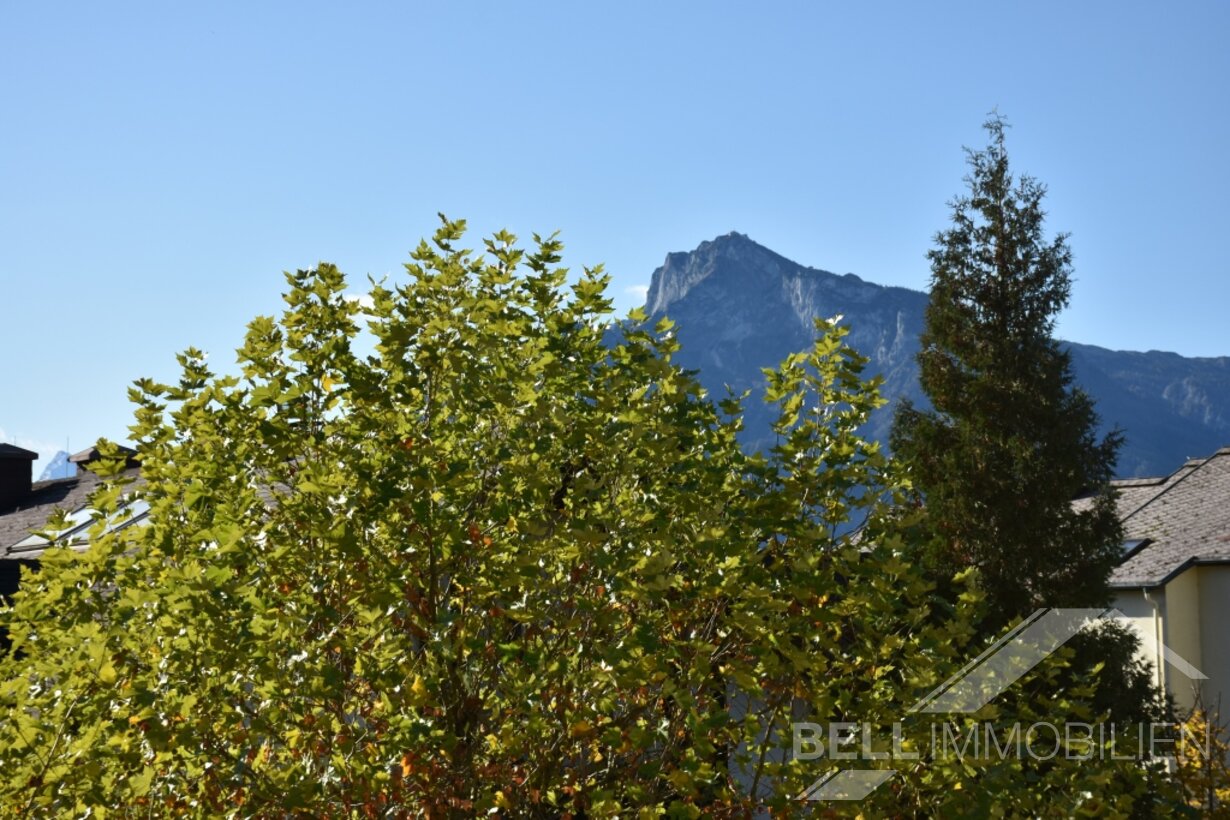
(1182, 633)
(1215, 634)
(1146, 623)
(1193, 620)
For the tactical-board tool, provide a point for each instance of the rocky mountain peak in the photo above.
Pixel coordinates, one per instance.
(740, 307)
(58, 467)
(731, 261)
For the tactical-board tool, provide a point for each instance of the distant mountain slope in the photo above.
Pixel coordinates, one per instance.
(1170, 407)
(741, 307)
(58, 467)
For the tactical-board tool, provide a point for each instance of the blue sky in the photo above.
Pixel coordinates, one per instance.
(161, 164)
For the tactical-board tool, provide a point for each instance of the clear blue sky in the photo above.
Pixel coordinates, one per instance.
(161, 164)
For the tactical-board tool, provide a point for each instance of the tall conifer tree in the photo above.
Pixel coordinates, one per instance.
(1011, 440)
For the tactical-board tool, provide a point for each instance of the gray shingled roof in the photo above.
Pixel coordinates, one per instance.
(1185, 517)
(1134, 493)
(32, 511)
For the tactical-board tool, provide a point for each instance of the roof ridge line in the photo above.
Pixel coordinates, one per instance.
(1195, 468)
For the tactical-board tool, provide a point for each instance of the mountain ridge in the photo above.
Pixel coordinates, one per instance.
(58, 467)
(741, 306)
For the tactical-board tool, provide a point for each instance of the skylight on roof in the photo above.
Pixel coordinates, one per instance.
(79, 525)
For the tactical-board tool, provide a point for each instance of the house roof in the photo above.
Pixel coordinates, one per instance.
(1184, 519)
(33, 510)
(12, 451)
(93, 454)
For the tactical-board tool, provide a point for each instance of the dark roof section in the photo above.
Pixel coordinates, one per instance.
(1134, 493)
(33, 510)
(11, 451)
(91, 455)
(1185, 518)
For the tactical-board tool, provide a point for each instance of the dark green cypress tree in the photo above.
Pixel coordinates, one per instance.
(1011, 440)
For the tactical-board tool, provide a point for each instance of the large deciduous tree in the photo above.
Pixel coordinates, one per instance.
(450, 551)
(493, 564)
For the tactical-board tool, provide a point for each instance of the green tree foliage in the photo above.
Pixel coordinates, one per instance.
(1011, 440)
(1202, 755)
(495, 566)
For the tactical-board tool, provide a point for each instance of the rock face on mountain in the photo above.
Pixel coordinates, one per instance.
(1170, 407)
(741, 307)
(58, 467)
